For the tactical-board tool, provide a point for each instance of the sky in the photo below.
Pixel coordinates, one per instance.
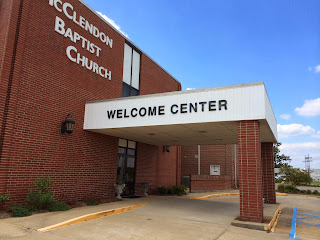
(211, 43)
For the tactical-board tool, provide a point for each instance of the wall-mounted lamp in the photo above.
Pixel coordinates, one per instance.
(166, 148)
(68, 124)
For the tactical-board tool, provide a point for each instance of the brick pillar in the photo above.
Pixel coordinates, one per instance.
(250, 171)
(269, 192)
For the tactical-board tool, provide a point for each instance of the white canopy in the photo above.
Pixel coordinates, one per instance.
(202, 116)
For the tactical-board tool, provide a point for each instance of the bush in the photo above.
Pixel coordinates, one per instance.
(3, 198)
(295, 176)
(20, 211)
(58, 206)
(162, 190)
(281, 188)
(91, 202)
(309, 191)
(287, 189)
(41, 197)
(315, 192)
(170, 191)
(303, 191)
(179, 190)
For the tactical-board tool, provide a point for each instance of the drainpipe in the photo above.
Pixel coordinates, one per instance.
(235, 165)
(198, 159)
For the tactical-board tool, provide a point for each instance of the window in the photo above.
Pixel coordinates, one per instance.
(131, 72)
(214, 169)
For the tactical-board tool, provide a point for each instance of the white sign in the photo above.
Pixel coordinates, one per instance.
(214, 169)
(72, 52)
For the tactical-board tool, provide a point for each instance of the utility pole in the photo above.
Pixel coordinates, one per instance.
(307, 161)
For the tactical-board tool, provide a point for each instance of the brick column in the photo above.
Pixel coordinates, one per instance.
(269, 192)
(250, 171)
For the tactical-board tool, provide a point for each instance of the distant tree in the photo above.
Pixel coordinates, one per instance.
(280, 160)
(295, 176)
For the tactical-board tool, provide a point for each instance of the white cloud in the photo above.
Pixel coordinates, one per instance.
(293, 130)
(190, 89)
(112, 22)
(315, 69)
(317, 135)
(309, 108)
(297, 152)
(285, 116)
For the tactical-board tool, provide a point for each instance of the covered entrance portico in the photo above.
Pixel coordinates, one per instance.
(238, 114)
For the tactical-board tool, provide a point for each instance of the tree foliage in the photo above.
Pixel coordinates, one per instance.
(295, 176)
(280, 160)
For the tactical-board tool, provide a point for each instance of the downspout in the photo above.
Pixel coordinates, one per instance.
(198, 159)
(235, 165)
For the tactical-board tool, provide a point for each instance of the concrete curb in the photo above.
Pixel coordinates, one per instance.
(260, 226)
(90, 216)
(224, 194)
(274, 220)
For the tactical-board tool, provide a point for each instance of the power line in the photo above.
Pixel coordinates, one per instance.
(307, 161)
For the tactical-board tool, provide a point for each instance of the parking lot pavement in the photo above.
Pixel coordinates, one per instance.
(301, 223)
(161, 218)
(164, 218)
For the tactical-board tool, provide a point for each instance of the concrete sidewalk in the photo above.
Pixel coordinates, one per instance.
(164, 217)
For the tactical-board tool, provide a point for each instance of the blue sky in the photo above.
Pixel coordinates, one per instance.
(216, 43)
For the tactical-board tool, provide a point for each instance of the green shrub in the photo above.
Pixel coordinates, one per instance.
(20, 211)
(315, 192)
(287, 188)
(58, 206)
(162, 190)
(179, 190)
(295, 176)
(281, 188)
(91, 202)
(303, 191)
(3, 198)
(309, 191)
(41, 197)
(170, 191)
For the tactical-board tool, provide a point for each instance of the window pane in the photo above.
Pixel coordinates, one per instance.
(127, 64)
(134, 92)
(122, 142)
(125, 90)
(135, 70)
(130, 162)
(121, 150)
(131, 152)
(132, 144)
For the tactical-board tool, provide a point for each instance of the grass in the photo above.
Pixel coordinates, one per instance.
(315, 183)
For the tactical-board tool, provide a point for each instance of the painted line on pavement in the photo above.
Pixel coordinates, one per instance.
(224, 194)
(90, 216)
(293, 225)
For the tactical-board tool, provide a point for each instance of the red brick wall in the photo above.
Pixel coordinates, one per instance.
(268, 178)
(210, 182)
(155, 79)
(46, 86)
(222, 155)
(155, 166)
(250, 171)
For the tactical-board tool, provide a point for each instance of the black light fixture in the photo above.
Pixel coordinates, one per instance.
(68, 124)
(166, 148)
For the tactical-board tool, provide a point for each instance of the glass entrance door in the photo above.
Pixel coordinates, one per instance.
(126, 166)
